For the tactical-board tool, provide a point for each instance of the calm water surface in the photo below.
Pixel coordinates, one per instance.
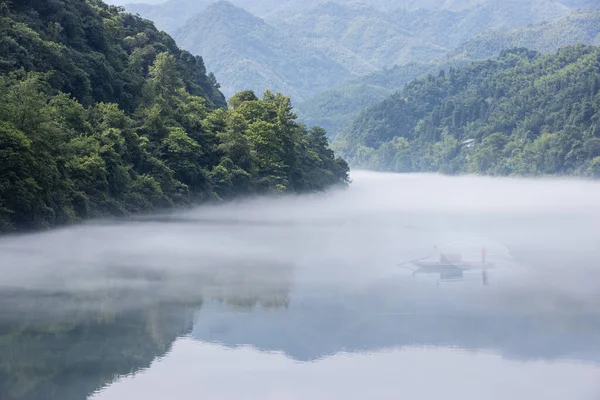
(311, 298)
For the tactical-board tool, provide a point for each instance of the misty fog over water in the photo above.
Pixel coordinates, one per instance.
(543, 229)
(320, 279)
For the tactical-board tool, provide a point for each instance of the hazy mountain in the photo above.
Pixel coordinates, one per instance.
(247, 53)
(172, 14)
(169, 15)
(581, 3)
(361, 38)
(367, 38)
(336, 106)
(582, 26)
(310, 48)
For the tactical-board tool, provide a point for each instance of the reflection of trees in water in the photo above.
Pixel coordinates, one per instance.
(69, 357)
(66, 345)
(251, 301)
(247, 284)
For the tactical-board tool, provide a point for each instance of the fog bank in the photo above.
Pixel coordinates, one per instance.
(541, 234)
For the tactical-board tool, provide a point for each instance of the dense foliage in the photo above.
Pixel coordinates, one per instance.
(100, 114)
(93, 51)
(335, 107)
(528, 114)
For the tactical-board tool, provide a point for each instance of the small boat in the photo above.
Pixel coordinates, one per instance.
(453, 261)
(451, 266)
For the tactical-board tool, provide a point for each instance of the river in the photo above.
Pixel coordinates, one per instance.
(315, 297)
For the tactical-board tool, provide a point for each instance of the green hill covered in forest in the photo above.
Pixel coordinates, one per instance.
(335, 107)
(525, 113)
(101, 115)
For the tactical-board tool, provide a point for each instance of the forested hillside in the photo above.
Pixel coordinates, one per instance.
(527, 113)
(101, 114)
(335, 107)
(92, 51)
(332, 109)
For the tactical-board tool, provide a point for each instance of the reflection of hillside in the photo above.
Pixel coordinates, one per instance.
(67, 344)
(246, 284)
(70, 357)
(311, 329)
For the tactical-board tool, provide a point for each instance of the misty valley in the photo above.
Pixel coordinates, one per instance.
(184, 302)
(299, 199)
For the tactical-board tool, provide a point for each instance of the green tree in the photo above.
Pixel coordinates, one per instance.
(181, 154)
(164, 75)
(19, 192)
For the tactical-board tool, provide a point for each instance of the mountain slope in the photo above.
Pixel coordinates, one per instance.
(380, 39)
(103, 115)
(247, 53)
(335, 107)
(92, 52)
(528, 114)
(582, 26)
(362, 38)
(171, 14)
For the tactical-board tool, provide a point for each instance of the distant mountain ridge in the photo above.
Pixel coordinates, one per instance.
(336, 57)
(246, 52)
(582, 26)
(168, 13)
(307, 47)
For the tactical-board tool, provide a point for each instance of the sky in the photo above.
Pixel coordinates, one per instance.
(124, 2)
